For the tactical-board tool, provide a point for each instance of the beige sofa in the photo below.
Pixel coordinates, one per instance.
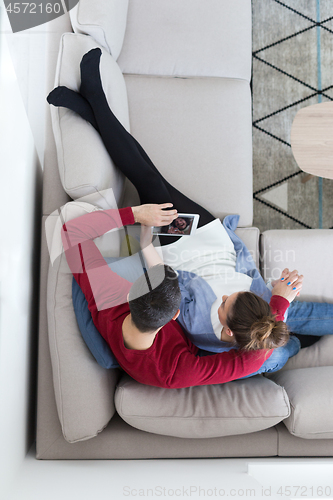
(185, 95)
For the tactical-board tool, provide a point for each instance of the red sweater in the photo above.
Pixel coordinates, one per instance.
(172, 360)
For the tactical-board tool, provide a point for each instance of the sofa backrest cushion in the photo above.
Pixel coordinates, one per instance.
(237, 407)
(83, 390)
(307, 250)
(193, 38)
(105, 21)
(84, 164)
(197, 131)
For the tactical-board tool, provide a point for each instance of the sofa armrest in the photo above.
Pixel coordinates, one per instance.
(309, 251)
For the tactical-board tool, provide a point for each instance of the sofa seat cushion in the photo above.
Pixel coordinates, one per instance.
(188, 38)
(83, 390)
(197, 131)
(310, 393)
(84, 164)
(103, 21)
(238, 407)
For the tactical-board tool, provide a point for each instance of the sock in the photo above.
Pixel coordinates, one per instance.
(91, 84)
(67, 98)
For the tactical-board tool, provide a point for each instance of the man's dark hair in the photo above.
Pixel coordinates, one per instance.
(154, 298)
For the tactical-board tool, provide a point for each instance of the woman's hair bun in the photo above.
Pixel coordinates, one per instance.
(253, 324)
(266, 333)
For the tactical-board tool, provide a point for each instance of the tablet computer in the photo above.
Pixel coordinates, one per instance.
(184, 225)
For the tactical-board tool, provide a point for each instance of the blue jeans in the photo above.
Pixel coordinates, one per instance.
(310, 318)
(306, 318)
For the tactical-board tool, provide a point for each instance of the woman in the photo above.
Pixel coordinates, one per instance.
(260, 331)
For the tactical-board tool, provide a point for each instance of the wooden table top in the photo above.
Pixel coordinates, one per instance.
(312, 139)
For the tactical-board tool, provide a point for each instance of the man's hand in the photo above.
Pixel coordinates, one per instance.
(291, 285)
(154, 215)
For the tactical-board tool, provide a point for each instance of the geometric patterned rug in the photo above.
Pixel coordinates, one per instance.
(292, 68)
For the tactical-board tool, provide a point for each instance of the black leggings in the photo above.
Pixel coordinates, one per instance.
(125, 151)
(129, 156)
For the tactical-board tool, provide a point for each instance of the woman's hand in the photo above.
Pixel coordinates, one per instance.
(291, 285)
(154, 215)
(284, 275)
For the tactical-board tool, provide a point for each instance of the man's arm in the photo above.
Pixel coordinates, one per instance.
(150, 253)
(218, 368)
(279, 305)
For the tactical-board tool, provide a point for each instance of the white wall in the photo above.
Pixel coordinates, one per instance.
(20, 206)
